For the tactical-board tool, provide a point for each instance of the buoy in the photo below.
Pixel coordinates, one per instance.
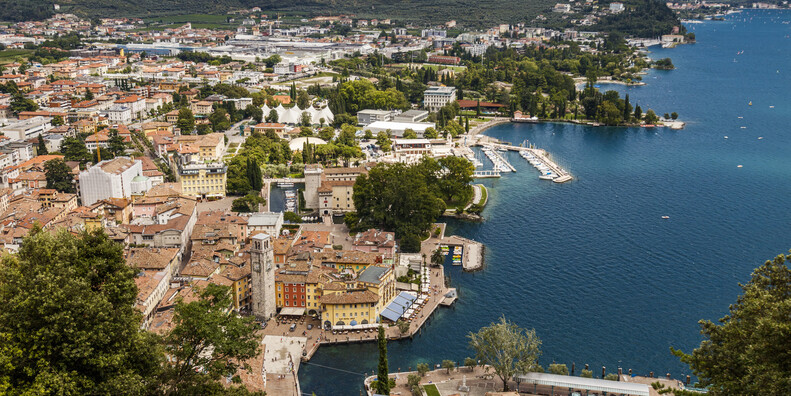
(726, 137)
(739, 166)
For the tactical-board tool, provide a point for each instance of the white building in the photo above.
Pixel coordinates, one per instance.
(616, 7)
(269, 222)
(27, 129)
(369, 116)
(109, 179)
(397, 129)
(120, 114)
(436, 97)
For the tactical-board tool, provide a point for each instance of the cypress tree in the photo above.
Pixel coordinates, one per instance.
(42, 146)
(382, 380)
(638, 112)
(627, 109)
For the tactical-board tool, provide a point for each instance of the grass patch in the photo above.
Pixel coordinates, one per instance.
(14, 55)
(431, 390)
(484, 195)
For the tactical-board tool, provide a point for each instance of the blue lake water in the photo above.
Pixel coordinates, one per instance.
(591, 264)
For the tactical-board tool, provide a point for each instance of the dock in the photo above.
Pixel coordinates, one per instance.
(472, 256)
(499, 162)
(483, 174)
(541, 154)
(449, 297)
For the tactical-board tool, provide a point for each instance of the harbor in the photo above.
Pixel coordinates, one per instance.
(538, 158)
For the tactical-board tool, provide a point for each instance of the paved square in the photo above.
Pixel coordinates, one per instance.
(279, 349)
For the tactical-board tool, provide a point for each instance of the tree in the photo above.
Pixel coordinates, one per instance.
(368, 135)
(74, 149)
(638, 113)
(470, 363)
(248, 203)
(254, 176)
(413, 380)
(292, 217)
(403, 326)
(506, 347)
(59, 176)
(436, 258)
(422, 369)
(448, 365)
(430, 133)
(454, 184)
(68, 318)
(186, 121)
(19, 104)
(747, 351)
(219, 120)
(651, 117)
(116, 143)
(42, 146)
(327, 133)
(586, 373)
(207, 342)
(382, 380)
(57, 121)
(559, 369)
(254, 112)
(88, 94)
(303, 100)
(674, 115)
(306, 120)
(272, 117)
(410, 134)
(383, 141)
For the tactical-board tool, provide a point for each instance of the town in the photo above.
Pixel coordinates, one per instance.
(260, 158)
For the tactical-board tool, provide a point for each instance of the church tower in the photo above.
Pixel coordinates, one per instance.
(262, 260)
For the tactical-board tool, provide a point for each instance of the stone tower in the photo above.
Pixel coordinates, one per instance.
(262, 261)
(312, 184)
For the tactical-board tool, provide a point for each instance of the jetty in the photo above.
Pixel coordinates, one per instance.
(472, 256)
(499, 162)
(541, 155)
(483, 174)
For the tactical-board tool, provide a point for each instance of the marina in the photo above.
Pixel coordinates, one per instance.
(500, 163)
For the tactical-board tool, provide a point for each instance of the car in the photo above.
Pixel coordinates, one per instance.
(293, 327)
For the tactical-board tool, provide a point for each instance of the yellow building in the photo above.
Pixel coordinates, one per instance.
(156, 126)
(241, 287)
(208, 147)
(203, 180)
(346, 261)
(349, 308)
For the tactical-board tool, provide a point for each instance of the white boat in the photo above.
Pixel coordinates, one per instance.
(285, 184)
(548, 176)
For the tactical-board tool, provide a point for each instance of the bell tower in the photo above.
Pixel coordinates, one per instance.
(262, 260)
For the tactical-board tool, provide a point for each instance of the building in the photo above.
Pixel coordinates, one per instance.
(120, 114)
(263, 277)
(269, 223)
(397, 129)
(335, 197)
(436, 97)
(109, 179)
(411, 116)
(616, 7)
(368, 116)
(203, 180)
(375, 241)
(27, 129)
(444, 60)
(411, 147)
(428, 33)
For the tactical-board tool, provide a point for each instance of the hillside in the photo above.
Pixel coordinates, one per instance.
(646, 16)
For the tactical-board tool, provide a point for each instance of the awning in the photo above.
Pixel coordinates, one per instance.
(398, 306)
(292, 311)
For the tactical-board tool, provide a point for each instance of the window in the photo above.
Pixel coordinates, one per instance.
(286, 302)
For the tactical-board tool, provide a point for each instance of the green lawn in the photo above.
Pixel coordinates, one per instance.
(14, 55)
(431, 390)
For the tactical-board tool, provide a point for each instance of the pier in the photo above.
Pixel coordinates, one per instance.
(482, 174)
(562, 175)
(499, 162)
(472, 251)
